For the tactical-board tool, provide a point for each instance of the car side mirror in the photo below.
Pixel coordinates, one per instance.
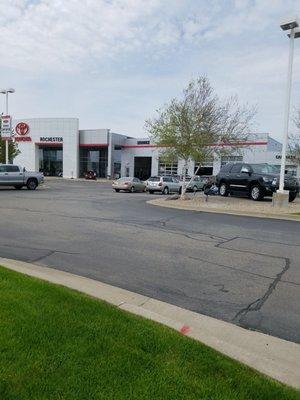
(24, 169)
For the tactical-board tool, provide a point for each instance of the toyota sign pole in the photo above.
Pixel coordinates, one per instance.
(6, 131)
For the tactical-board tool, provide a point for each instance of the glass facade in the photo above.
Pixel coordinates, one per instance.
(93, 159)
(51, 161)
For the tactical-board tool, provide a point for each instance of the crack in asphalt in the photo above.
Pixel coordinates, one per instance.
(229, 267)
(50, 251)
(42, 257)
(258, 303)
(161, 223)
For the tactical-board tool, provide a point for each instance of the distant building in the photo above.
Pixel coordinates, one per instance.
(58, 147)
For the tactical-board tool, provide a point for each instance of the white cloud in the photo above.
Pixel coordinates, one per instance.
(48, 35)
(56, 52)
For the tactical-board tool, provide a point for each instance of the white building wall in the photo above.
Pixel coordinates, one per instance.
(67, 128)
(93, 136)
(28, 156)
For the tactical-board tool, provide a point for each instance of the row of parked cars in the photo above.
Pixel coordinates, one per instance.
(254, 180)
(162, 184)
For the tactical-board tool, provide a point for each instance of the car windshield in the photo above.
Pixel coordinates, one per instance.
(265, 169)
(154, 179)
(124, 179)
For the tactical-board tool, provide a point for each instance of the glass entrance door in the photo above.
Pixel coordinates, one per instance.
(51, 161)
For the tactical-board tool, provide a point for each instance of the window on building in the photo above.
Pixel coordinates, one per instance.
(117, 147)
(227, 159)
(165, 168)
(143, 142)
(93, 159)
(117, 170)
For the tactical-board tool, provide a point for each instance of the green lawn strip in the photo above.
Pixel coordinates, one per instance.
(56, 343)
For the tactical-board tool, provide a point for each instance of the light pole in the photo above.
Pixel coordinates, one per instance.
(292, 26)
(6, 91)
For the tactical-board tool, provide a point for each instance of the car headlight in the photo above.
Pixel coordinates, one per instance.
(267, 179)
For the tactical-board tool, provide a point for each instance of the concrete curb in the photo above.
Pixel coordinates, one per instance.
(272, 356)
(60, 179)
(191, 207)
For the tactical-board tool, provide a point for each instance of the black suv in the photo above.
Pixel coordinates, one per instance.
(255, 180)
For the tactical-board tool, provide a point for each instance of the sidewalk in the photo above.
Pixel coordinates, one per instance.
(233, 205)
(272, 356)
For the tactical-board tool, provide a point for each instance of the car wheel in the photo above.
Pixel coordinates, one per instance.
(223, 189)
(165, 190)
(180, 190)
(256, 193)
(292, 196)
(117, 190)
(132, 189)
(32, 184)
(18, 187)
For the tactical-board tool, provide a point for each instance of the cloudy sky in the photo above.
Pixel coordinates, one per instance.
(113, 62)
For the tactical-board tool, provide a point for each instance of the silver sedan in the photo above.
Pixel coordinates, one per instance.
(129, 184)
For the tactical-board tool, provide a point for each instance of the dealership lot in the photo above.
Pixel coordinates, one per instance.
(243, 270)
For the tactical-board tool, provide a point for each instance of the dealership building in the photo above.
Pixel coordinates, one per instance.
(58, 147)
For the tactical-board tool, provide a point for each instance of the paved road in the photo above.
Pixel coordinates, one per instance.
(239, 269)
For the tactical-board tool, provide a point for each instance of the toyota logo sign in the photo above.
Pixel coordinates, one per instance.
(22, 128)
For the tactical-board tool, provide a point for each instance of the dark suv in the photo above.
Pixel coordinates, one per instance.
(255, 180)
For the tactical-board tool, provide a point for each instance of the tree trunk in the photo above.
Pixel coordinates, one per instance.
(184, 186)
(183, 189)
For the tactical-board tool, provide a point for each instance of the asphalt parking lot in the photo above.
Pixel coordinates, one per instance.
(240, 269)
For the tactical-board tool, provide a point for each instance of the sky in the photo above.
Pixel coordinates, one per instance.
(112, 63)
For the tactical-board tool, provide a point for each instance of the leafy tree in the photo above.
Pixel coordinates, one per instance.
(199, 125)
(13, 150)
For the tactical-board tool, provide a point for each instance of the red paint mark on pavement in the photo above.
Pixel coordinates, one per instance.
(184, 329)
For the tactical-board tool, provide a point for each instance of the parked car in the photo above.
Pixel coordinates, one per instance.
(129, 184)
(255, 180)
(17, 176)
(196, 184)
(163, 184)
(91, 175)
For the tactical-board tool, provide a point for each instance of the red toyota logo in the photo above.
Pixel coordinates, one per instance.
(22, 128)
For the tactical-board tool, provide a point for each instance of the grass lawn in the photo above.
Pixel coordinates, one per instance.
(56, 343)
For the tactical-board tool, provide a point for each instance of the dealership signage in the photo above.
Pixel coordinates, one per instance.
(22, 128)
(51, 139)
(5, 126)
(21, 132)
(290, 157)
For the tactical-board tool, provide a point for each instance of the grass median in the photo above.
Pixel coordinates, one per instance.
(56, 343)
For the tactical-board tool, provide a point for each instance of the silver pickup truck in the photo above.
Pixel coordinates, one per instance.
(17, 176)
